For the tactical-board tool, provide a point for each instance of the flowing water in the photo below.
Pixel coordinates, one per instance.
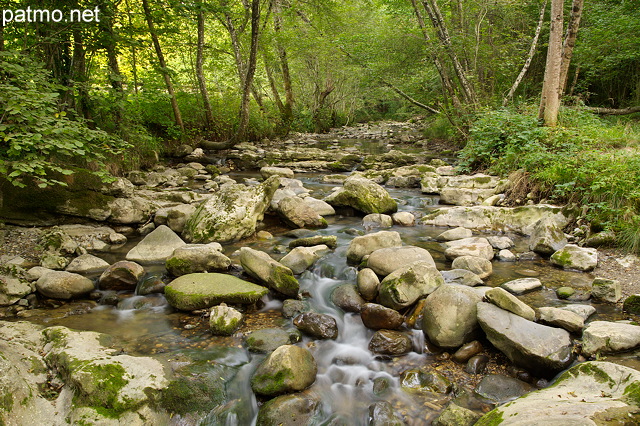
(349, 375)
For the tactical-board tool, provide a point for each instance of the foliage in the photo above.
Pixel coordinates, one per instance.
(37, 138)
(585, 160)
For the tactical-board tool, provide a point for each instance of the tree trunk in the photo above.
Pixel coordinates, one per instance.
(527, 63)
(287, 111)
(79, 76)
(163, 65)
(613, 111)
(134, 61)
(550, 98)
(570, 42)
(199, 68)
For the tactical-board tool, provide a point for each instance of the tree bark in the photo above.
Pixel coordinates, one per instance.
(612, 111)
(134, 62)
(287, 110)
(527, 63)
(550, 97)
(199, 68)
(163, 65)
(570, 42)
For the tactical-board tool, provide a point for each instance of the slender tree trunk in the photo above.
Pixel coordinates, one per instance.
(199, 68)
(287, 111)
(134, 61)
(613, 111)
(79, 76)
(570, 42)
(550, 98)
(251, 69)
(163, 65)
(527, 63)
(109, 42)
(272, 83)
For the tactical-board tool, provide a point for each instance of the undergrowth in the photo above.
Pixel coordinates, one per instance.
(585, 160)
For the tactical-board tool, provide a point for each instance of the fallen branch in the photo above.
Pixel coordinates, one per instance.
(612, 111)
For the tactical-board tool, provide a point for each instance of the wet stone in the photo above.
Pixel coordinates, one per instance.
(382, 414)
(390, 342)
(378, 317)
(347, 298)
(292, 308)
(454, 415)
(419, 380)
(467, 351)
(269, 339)
(477, 364)
(500, 389)
(522, 285)
(330, 241)
(319, 326)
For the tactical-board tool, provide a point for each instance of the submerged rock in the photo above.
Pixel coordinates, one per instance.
(288, 410)
(382, 414)
(198, 291)
(287, 369)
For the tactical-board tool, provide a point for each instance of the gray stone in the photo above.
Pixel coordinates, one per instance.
(347, 298)
(378, 317)
(541, 349)
(609, 337)
(319, 326)
(268, 340)
(298, 214)
(63, 285)
(224, 320)
(367, 244)
(321, 207)
(368, 284)
(363, 195)
(13, 289)
(585, 311)
(546, 237)
(404, 286)
(267, 172)
(478, 265)
(287, 369)
(506, 256)
(156, 247)
(522, 285)
(55, 261)
(192, 258)
(454, 415)
(404, 219)
(449, 315)
(606, 290)
(458, 233)
(123, 275)
(377, 220)
(131, 210)
(174, 217)
(390, 342)
(462, 277)
(302, 258)
(500, 243)
(474, 246)
(507, 301)
(500, 389)
(464, 196)
(578, 258)
(288, 410)
(563, 318)
(262, 267)
(87, 264)
(386, 260)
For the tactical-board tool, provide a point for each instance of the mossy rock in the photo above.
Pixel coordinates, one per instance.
(198, 291)
(632, 304)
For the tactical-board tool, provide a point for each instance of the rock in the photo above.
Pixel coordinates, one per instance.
(500, 389)
(464, 196)
(458, 233)
(378, 317)
(546, 237)
(475, 246)
(544, 350)
(319, 326)
(302, 258)
(403, 219)
(390, 342)
(288, 410)
(199, 291)
(449, 315)
(123, 275)
(347, 298)
(150, 285)
(601, 239)
(565, 292)
(430, 183)
(13, 289)
(292, 308)
(477, 364)
(462, 277)
(632, 304)
(287, 369)
(367, 244)
(424, 381)
(454, 415)
(193, 258)
(363, 195)
(269, 339)
(330, 241)
(587, 394)
(377, 220)
(267, 172)
(382, 414)
(231, 213)
(478, 265)
(33, 274)
(63, 285)
(585, 311)
(156, 247)
(368, 283)
(87, 264)
(500, 243)
(386, 260)
(507, 301)
(174, 217)
(563, 318)
(298, 214)
(321, 207)
(609, 337)
(404, 286)
(130, 210)
(224, 320)
(606, 290)
(262, 267)
(53, 261)
(522, 285)
(573, 257)
(506, 256)
(467, 351)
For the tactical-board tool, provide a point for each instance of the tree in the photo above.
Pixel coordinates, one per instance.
(551, 90)
(199, 65)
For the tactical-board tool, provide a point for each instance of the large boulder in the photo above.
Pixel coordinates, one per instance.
(367, 244)
(298, 214)
(404, 286)
(587, 394)
(546, 237)
(175, 217)
(364, 196)
(609, 337)
(156, 247)
(570, 321)
(13, 289)
(289, 410)
(63, 285)
(507, 301)
(318, 326)
(262, 267)
(541, 349)
(449, 316)
(386, 260)
(193, 258)
(198, 291)
(572, 256)
(123, 275)
(478, 265)
(231, 213)
(474, 246)
(287, 369)
(302, 258)
(87, 264)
